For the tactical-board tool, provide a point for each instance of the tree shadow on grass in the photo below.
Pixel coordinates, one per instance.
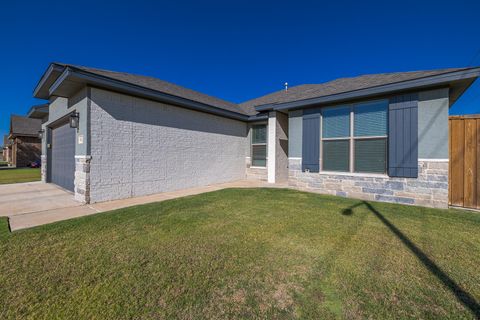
(464, 297)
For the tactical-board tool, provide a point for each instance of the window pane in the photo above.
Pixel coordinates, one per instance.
(259, 156)
(336, 155)
(259, 134)
(336, 122)
(370, 155)
(370, 119)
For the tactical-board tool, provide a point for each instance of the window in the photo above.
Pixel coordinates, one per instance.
(336, 139)
(259, 145)
(370, 155)
(370, 137)
(354, 138)
(336, 155)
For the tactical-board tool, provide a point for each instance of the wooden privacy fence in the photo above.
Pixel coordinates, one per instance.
(464, 165)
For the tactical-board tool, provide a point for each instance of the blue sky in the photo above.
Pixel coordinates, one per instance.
(235, 50)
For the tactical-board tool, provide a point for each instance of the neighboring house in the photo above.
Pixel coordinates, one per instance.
(25, 145)
(7, 149)
(378, 137)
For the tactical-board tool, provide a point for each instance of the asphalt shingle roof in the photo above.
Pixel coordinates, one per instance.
(165, 87)
(23, 126)
(308, 91)
(300, 92)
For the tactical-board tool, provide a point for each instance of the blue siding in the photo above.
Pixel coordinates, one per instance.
(311, 140)
(403, 136)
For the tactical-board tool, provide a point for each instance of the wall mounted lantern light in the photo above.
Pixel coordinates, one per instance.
(74, 118)
(40, 134)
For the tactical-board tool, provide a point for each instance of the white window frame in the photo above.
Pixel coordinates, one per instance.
(322, 139)
(351, 138)
(258, 144)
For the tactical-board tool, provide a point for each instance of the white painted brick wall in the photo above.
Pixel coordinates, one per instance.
(140, 147)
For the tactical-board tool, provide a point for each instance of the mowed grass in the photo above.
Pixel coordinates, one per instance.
(246, 253)
(19, 175)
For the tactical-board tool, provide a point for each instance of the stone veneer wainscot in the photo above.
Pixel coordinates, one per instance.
(430, 189)
(82, 178)
(43, 170)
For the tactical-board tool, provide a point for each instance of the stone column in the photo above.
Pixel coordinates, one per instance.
(43, 170)
(82, 178)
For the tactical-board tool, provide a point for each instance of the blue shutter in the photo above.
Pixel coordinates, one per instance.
(403, 136)
(311, 140)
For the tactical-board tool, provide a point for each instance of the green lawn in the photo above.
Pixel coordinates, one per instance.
(246, 253)
(19, 175)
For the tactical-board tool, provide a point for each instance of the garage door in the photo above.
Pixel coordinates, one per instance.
(63, 156)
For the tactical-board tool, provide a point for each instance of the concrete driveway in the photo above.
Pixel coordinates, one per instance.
(21, 198)
(35, 203)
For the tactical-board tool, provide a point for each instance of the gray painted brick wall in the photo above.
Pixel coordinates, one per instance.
(140, 147)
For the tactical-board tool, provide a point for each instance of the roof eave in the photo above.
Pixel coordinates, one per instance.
(19, 134)
(426, 82)
(50, 75)
(38, 111)
(258, 117)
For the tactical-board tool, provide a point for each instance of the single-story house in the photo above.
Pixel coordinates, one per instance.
(112, 135)
(24, 143)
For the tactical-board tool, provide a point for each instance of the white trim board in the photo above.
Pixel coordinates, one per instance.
(271, 135)
(434, 160)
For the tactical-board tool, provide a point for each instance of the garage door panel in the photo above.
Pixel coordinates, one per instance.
(63, 156)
